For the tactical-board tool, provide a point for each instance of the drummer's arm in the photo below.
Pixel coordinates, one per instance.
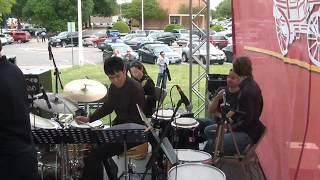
(104, 110)
(214, 104)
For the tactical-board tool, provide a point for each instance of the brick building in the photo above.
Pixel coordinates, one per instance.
(174, 17)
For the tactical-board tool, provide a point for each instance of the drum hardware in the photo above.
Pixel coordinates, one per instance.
(85, 90)
(224, 122)
(126, 133)
(162, 143)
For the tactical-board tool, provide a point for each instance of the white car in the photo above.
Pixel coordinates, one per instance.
(9, 38)
(3, 40)
(216, 55)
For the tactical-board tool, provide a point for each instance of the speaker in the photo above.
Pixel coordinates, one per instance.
(35, 78)
(215, 81)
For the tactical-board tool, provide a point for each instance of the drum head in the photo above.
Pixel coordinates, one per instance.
(192, 171)
(185, 122)
(93, 124)
(40, 122)
(189, 155)
(165, 114)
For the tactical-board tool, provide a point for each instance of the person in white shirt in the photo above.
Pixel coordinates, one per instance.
(163, 63)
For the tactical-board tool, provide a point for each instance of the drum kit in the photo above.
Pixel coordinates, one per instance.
(64, 161)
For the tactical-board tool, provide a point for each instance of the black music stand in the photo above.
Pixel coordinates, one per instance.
(125, 133)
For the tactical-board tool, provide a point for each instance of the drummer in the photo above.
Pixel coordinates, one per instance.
(17, 152)
(139, 73)
(123, 95)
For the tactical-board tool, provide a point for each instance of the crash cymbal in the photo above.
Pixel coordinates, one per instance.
(58, 104)
(85, 90)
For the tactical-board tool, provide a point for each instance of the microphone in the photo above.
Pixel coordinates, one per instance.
(45, 97)
(167, 71)
(184, 99)
(50, 51)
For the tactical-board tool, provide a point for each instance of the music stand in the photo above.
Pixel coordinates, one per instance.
(164, 144)
(126, 133)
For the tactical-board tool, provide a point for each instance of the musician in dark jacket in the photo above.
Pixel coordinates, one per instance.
(250, 101)
(17, 153)
(123, 95)
(139, 73)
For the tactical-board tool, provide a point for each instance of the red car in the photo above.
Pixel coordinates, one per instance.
(219, 40)
(21, 36)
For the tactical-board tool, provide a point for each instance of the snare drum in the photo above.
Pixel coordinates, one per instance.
(185, 133)
(40, 122)
(192, 171)
(94, 124)
(192, 156)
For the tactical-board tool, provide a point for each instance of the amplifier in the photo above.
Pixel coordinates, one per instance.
(35, 78)
(216, 81)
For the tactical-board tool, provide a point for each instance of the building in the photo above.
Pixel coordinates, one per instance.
(174, 17)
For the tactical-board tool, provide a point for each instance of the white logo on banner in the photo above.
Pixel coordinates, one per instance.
(296, 17)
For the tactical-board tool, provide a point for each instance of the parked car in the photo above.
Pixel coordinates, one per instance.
(113, 33)
(124, 51)
(134, 43)
(228, 50)
(219, 40)
(165, 37)
(103, 45)
(216, 55)
(131, 36)
(184, 39)
(138, 31)
(20, 36)
(3, 40)
(150, 52)
(93, 39)
(64, 39)
(179, 32)
(8, 38)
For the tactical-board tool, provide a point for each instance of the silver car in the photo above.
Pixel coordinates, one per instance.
(216, 55)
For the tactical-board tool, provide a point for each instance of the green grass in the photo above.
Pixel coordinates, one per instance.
(179, 74)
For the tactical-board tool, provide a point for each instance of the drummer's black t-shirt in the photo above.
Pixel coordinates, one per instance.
(15, 130)
(123, 102)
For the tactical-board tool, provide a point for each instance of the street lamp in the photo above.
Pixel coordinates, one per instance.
(142, 18)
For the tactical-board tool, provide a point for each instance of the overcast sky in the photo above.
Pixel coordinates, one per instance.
(213, 3)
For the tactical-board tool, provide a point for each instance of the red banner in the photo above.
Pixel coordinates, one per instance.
(282, 38)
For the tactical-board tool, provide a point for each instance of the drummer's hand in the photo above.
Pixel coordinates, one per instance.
(82, 119)
(148, 129)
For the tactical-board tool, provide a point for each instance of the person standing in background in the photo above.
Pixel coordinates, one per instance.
(162, 63)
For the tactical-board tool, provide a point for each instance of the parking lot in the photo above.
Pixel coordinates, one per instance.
(34, 54)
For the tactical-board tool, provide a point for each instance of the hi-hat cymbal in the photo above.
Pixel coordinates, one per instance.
(85, 90)
(58, 104)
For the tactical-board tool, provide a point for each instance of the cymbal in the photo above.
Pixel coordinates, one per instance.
(58, 104)
(84, 90)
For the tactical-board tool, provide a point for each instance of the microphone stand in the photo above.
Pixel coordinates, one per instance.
(164, 134)
(56, 70)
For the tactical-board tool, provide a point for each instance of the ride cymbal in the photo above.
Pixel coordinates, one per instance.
(85, 90)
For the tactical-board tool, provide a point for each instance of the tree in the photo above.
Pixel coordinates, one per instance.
(5, 8)
(6, 5)
(224, 9)
(151, 8)
(54, 15)
(105, 7)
